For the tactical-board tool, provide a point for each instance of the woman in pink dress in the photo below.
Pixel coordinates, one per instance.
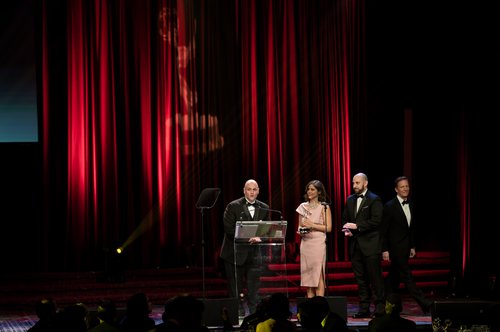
(315, 220)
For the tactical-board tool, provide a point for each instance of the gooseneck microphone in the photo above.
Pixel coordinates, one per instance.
(271, 210)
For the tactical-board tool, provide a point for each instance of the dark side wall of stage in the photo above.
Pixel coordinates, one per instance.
(441, 63)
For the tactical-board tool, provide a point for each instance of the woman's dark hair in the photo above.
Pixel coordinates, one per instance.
(319, 187)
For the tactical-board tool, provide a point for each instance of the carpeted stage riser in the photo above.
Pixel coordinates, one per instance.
(431, 271)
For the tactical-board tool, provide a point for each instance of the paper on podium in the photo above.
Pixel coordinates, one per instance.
(268, 231)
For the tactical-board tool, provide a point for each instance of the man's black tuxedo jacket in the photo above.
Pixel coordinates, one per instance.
(238, 210)
(368, 219)
(398, 238)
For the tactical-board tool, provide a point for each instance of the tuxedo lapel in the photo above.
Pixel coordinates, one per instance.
(353, 206)
(363, 201)
(401, 213)
(258, 215)
(246, 212)
(361, 204)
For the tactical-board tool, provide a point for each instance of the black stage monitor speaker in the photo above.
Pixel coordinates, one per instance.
(212, 316)
(466, 312)
(338, 304)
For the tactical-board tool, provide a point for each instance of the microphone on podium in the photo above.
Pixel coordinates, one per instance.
(271, 210)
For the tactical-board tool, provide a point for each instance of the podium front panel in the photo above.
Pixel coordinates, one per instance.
(271, 250)
(270, 232)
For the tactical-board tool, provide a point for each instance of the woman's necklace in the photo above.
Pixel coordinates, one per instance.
(313, 205)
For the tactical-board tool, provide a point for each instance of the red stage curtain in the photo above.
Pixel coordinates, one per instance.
(145, 103)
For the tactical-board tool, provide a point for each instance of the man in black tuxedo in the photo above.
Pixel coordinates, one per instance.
(362, 217)
(398, 245)
(246, 263)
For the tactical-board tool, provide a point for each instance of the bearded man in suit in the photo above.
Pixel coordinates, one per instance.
(362, 217)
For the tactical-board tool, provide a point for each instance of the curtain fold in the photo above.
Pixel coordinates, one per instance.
(165, 98)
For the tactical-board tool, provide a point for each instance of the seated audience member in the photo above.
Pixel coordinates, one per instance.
(73, 318)
(306, 318)
(46, 311)
(183, 313)
(106, 313)
(392, 321)
(261, 314)
(137, 312)
(315, 315)
(279, 316)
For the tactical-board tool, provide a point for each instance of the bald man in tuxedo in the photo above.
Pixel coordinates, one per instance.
(246, 263)
(362, 217)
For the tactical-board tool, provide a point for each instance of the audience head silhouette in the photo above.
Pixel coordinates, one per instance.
(393, 304)
(279, 315)
(315, 315)
(136, 317)
(106, 311)
(279, 307)
(74, 318)
(184, 312)
(46, 310)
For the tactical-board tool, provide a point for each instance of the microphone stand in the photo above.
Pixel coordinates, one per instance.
(207, 200)
(272, 210)
(202, 252)
(283, 244)
(325, 276)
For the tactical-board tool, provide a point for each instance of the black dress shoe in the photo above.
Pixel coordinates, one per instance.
(362, 314)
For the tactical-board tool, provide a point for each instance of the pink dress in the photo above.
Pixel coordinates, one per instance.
(312, 247)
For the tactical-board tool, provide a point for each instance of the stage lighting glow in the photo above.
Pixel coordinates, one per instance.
(146, 223)
(119, 250)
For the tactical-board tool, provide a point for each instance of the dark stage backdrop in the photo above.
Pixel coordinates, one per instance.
(143, 104)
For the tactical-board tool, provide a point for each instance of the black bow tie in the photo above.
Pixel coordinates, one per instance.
(405, 202)
(360, 196)
(250, 204)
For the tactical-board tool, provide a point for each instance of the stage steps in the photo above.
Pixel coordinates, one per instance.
(431, 271)
(22, 290)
